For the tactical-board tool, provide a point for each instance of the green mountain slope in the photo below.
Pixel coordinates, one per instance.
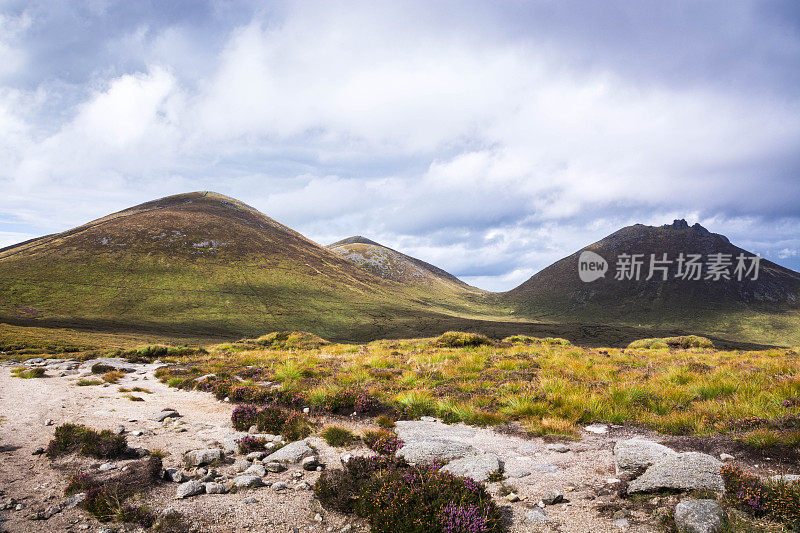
(204, 263)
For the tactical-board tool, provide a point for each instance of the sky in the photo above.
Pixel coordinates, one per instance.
(488, 138)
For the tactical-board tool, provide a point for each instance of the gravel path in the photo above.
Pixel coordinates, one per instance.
(582, 473)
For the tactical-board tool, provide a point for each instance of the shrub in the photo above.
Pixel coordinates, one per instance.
(337, 436)
(88, 382)
(385, 422)
(251, 444)
(382, 441)
(243, 417)
(682, 342)
(291, 340)
(70, 438)
(113, 376)
(136, 514)
(395, 497)
(779, 500)
(250, 394)
(346, 401)
(530, 341)
(457, 339)
(30, 373)
(100, 368)
(291, 424)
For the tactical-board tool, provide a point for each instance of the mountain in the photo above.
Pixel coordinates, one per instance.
(766, 308)
(392, 265)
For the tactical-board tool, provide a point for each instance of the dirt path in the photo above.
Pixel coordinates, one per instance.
(26, 404)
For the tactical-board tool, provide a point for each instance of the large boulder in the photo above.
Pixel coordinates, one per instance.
(291, 453)
(682, 471)
(204, 457)
(634, 454)
(426, 450)
(699, 516)
(477, 467)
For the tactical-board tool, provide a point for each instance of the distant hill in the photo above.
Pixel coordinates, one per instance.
(767, 307)
(203, 263)
(393, 265)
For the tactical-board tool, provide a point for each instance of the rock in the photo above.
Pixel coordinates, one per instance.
(517, 473)
(512, 497)
(214, 488)
(245, 482)
(536, 516)
(38, 451)
(75, 500)
(303, 486)
(190, 488)
(105, 467)
(138, 433)
(634, 454)
(317, 517)
(250, 500)
(621, 523)
(240, 465)
(256, 470)
(275, 467)
(785, 478)
(477, 467)
(558, 447)
(252, 429)
(547, 469)
(119, 430)
(682, 471)
(310, 463)
(163, 415)
(427, 419)
(699, 516)
(204, 457)
(279, 486)
(726, 457)
(551, 497)
(291, 453)
(48, 422)
(426, 450)
(256, 456)
(597, 429)
(174, 475)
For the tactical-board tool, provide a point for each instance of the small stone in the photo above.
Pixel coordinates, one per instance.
(256, 470)
(48, 422)
(552, 497)
(597, 429)
(174, 475)
(317, 517)
(38, 451)
(275, 467)
(138, 433)
(105, 467)
(240, 465)
(249, 500)
(558, 447)
(612, 481)
(726, 457)
(247, 482)
(427, 419)
(215, 488)
(163, 415)
(535, 515)
(119, 430)
(621, 523)
(306, 410)
(310, 463)
(279, 486)
(548, 469)
(253, 456)
(512, 497)
(190, 488)
(303, 486)
(204, 457)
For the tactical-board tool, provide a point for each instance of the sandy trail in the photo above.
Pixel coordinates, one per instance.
(25, 405)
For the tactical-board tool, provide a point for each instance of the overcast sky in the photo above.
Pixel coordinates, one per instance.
(489, 138)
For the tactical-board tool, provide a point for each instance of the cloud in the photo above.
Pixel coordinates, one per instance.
(490, 141)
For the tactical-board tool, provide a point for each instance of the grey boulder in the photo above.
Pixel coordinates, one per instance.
(291, 453)
(247, 482)
(426, 450)
(204, 457)
(699, 516)
(633, 454)
(190, 488)
(682, 471)
(477, 467)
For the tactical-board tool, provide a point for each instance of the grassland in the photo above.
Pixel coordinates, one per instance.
(540, 387)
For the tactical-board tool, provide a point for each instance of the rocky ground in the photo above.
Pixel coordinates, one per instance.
(569, 487)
